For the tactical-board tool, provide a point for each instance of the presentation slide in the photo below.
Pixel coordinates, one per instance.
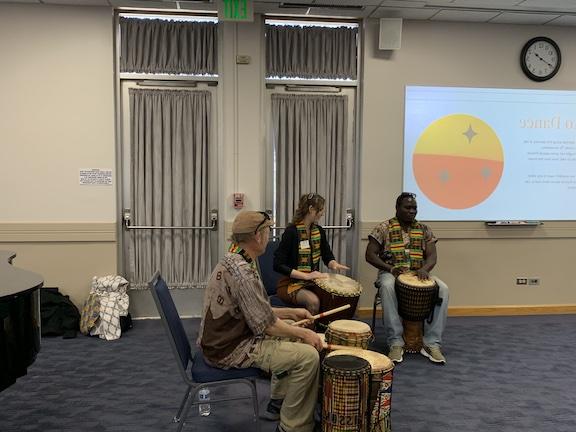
(480, 154)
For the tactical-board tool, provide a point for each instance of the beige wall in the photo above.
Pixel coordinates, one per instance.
(242, 96)
(57, 116)
(57, 112)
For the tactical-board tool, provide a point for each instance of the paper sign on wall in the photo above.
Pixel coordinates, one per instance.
(96, 176)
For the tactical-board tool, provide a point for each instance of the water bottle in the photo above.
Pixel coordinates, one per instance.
(204, 402)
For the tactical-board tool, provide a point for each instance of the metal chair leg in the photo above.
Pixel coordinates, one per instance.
(184, 414)
(255, 404)
(178, 416)
(376, 301)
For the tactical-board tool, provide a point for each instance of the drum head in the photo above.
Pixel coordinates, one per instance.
(346, 363)
(410, 279)
(340, 284)
(378, 362)
(349, 326)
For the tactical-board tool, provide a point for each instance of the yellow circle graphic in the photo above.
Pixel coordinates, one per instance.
(458, 161)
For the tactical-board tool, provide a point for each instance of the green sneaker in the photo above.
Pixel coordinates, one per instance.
(434, 354)
(395, 353)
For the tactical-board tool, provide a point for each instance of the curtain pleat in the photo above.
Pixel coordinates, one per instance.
(170, 132)
(168, 47)
(311, 52)
(309, 137)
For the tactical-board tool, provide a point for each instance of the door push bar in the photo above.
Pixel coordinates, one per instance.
(349, 222)
(126, 216)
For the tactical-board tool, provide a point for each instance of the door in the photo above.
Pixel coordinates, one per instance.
(168, 191)
(311, 131)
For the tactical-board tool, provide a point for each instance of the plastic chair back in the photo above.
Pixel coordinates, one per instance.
(171, 318)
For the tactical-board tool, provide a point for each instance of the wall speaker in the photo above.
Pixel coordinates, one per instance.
(390, 34)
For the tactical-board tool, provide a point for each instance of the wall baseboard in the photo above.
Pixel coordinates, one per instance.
(366, 312)
(41, 232)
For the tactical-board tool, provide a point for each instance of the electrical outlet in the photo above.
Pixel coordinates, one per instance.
(521, 281)
(533, 281)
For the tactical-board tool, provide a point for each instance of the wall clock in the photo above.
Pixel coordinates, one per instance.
(540, 58)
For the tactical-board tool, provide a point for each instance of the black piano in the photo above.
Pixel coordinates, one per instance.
(19, 319)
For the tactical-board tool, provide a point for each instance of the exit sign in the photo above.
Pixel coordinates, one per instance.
(235, 10)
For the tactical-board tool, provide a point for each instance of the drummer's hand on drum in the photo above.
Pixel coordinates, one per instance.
(334, 265)
(398, 271)
(311, 338)
(316, 275)
(422, 274)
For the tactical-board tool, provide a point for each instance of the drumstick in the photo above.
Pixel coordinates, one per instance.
(322, 315)
(340, 347)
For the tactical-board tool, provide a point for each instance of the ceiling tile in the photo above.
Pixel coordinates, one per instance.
(550, 5)
(345, 2)
(144, 4)
(20, 1)
(406, 13)
(564, 20)
(438, 3)
(274, 8)
(522, 18)
(77, 2)
(403, 3)
(464, 15)
(486, 4)
(200, 7)
(343, 13)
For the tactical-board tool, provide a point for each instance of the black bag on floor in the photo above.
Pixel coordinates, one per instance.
(126, 322)
(60, 317)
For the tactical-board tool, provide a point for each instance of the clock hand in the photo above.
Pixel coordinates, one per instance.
(536, 54)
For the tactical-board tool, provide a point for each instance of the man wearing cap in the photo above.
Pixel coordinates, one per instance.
(238, 322)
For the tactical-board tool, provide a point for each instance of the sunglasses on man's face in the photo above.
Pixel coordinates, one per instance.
(311, 196)
(266, 218)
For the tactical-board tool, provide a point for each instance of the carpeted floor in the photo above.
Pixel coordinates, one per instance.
(509, 374)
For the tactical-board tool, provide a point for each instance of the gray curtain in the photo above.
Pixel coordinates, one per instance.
(169, 47)
(311, 52)
(170, 141)
(309, 135)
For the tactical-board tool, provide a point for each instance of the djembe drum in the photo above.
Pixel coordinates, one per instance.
(350, 333)
(416, 301)
(380, 399)
(346, 384)
(334, 291)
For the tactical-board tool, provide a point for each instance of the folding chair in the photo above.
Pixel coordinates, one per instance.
(269, 276)
(197, 374)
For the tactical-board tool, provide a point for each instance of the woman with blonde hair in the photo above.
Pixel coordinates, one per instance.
(298, 255)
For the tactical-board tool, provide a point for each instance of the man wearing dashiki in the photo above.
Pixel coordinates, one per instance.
(396, 246)
(240, 329)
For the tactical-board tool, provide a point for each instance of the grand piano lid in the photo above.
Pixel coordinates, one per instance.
(14, 280)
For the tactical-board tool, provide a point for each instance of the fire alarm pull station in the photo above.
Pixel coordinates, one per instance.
(238, 200)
